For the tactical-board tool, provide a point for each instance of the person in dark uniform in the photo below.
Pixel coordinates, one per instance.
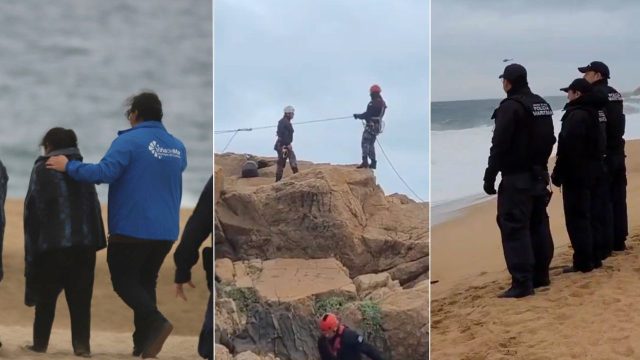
(522, 142)
(283, 145)
(373, 122)
(198, 229)
(597, 73)
(579, 168)
(63, 230)
(338, 342)
(4, 179)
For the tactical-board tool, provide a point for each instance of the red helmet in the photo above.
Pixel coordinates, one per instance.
(375, 88)
(328, 322)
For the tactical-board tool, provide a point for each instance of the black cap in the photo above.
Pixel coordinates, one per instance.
(597, 66)
(579, 84)
(513, 71)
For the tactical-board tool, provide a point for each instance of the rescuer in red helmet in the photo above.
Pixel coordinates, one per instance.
(338, 342)
(373, 122)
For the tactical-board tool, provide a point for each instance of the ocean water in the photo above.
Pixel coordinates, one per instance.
(72, 63)
(460, 140)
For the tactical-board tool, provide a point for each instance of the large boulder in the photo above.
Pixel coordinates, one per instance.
(288, 280)
(324, 211)
(405, 315)
(287, 330)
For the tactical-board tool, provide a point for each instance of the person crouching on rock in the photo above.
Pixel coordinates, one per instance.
(283, 144)
(63, 230)
(338, 342)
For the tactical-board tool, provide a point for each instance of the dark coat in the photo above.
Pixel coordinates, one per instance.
(4, 179)
(59, 213)
(347, 345)
(198, 229)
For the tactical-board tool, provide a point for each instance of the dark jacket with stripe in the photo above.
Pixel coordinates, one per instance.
(59, 213)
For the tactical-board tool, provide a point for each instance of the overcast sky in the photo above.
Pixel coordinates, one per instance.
(550, 38)
(321, 57)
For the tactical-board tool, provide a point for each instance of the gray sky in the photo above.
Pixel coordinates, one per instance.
(550, 38)
(321, 57)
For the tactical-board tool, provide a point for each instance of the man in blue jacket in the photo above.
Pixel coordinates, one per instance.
(143, 168)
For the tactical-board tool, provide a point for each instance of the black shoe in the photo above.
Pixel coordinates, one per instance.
(572, 269)
(373, 164)
(159, 335)
(517, 292)
(82, 353)
(136, 352)
(363, 166)
(34, 349)
(597, 264)
(621, 247)
(541, 282)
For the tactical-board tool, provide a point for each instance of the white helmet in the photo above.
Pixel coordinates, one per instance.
(289, 109)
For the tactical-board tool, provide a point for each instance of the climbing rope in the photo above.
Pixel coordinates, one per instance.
(397, 173)
(275, 126)
(236, 131)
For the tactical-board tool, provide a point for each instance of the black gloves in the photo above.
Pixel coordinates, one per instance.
(356, 116)
(489, 182)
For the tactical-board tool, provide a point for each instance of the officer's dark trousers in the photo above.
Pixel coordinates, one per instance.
(524, 226)
(71, 270)
(602, 215)
(134, 267)
(582, 227)
(618, 176)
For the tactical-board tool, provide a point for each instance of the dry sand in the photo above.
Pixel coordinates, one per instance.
(580, 316)
(112, 320)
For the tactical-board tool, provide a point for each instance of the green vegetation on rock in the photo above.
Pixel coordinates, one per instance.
(331, 304)
(371, 317)
(243, 297)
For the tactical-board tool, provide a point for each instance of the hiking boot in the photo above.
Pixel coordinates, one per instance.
(157, 337)
(373, 164)
(516, 292)
(541, 282)
(136, 352)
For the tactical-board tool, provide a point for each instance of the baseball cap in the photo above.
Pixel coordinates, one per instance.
(579, 84)
(597, 66)
(513, 71)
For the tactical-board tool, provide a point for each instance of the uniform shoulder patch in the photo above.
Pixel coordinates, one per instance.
(615, 96)
(360, 339)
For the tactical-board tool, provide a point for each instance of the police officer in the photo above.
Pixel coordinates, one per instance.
(373, 121)
(579, 168)
(338, 342)
(283, 145)
(522, 142)
(597, 73)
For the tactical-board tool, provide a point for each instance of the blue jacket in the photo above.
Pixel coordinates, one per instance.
(143, 168)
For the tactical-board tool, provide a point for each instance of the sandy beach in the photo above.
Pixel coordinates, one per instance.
(112, 320)
(580, 316)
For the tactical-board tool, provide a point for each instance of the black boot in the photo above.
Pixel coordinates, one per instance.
(517, 291)
(373, 164)
(365, 163)
(294, 169)
(541, 281)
